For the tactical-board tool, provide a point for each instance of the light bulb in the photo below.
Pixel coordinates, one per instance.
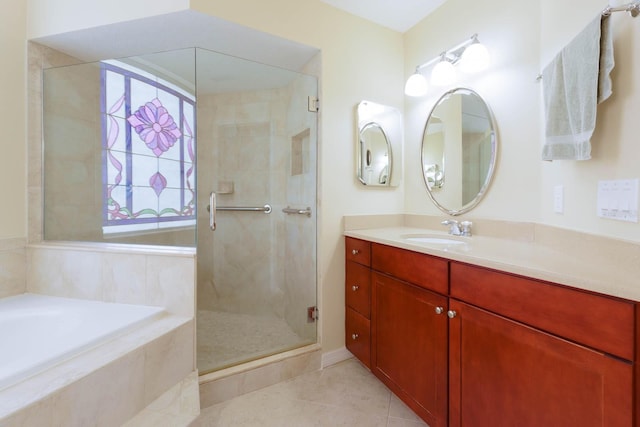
(416, 85)
(443, 73)
(475, 58)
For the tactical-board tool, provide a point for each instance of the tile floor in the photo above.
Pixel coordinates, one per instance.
(345, 394)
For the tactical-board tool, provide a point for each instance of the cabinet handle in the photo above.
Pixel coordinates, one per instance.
(355, 252)
(451, 314)
(439, 310)
(355, 288)
(354, 336)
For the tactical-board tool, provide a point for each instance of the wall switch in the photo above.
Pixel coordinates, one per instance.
(558, 199)
(618, 199)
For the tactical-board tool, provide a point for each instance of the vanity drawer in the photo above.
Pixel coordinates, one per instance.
(601, 322)
(358, 251)
(358, 288)
(358, 336)
(423, 270)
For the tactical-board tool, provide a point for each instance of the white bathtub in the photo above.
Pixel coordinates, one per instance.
(37, 331)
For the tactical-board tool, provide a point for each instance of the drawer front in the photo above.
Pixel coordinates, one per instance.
(358, 288)
(423, 270)
(358, 251)
(358, 337)
(600, 322)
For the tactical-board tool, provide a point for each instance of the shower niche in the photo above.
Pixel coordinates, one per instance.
(135, 151)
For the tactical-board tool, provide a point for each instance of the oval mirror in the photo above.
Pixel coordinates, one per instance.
(378, 145)
(459, 148)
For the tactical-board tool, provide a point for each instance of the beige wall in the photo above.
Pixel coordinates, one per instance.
(510, 30)
(13, 119)
(522, 38)
(615, 143)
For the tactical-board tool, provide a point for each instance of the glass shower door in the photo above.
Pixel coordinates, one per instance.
(256, 189)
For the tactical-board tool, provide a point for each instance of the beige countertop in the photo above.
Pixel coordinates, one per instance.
(583, 261)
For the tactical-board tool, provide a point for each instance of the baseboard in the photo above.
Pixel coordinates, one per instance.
(335, 356)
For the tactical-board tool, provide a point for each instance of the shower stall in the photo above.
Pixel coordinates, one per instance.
(199, 149)
(256, 210)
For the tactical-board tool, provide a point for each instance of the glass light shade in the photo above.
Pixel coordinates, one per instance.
(474, 58)
(416, 85)
(443, 74)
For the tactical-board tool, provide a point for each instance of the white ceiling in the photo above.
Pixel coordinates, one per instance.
(399, 15)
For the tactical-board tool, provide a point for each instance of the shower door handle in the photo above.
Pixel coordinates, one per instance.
(212, 211)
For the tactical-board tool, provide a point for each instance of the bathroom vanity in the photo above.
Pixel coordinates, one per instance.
(464, 344)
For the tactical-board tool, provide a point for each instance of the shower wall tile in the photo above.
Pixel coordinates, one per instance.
(12, 267)
(39, 58)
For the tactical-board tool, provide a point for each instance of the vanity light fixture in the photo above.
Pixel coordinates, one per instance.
(471, 54)
(444, 73)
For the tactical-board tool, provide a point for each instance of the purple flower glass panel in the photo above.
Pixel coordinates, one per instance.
(155, 126)
(135, 191)
(158, 182)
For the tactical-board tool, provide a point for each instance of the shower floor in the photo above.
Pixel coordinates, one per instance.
(226, 339)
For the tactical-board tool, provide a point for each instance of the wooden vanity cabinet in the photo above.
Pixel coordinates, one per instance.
(467, 346)
(358, 299)
(530, 353)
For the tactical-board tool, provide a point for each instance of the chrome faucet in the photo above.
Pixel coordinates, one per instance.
(462, 228)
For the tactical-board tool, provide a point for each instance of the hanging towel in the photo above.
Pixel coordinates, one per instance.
(574, 82)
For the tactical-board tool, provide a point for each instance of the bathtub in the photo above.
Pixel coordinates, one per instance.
(38, 332)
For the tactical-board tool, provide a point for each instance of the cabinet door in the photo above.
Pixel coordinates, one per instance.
(358, 338)
(503, 373)
(409, 345)
(358, 288)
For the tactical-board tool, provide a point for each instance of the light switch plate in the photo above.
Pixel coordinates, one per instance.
(558, 199)
(618, 199)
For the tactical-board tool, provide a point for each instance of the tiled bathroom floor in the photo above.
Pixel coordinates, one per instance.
(345, 394)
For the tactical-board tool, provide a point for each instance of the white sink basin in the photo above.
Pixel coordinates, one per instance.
(434, 240)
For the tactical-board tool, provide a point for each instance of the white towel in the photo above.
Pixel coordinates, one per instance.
(574, 82)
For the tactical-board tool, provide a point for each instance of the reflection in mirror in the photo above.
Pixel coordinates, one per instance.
(375, 165)
(459, 149)
(379, 145)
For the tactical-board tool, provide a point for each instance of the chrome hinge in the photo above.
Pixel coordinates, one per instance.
(313, 104)
(312, 314)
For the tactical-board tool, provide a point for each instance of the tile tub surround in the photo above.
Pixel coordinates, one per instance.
(145, 275)
(107, 385)
(13, 272)
(583, 261)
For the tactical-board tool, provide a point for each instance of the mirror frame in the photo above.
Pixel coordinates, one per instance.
(494, 153)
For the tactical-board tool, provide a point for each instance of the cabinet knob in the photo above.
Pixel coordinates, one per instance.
(439, 310)
(355, 288)
(355, 251)
(354, 336)
(451, 314)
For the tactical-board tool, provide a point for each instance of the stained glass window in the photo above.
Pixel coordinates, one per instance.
(148, 153)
